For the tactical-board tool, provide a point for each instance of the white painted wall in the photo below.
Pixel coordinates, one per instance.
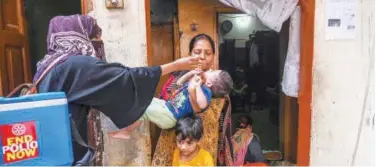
(124, 31)
(343, 89)
(124, 37)
(243, 25)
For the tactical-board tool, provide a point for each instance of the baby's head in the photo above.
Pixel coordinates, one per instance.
(189, 131)
(219, 82)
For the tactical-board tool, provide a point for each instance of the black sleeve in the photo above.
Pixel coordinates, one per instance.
(121, 93)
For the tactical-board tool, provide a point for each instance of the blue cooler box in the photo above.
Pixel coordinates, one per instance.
(35, 131)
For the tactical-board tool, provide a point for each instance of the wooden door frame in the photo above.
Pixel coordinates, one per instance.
(305, 78)
(149, 50)
(86, 6)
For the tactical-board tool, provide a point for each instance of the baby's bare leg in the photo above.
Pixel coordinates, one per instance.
(126, 132)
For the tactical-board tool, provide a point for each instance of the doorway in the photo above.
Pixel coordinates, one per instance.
(23, 37)
(164, 39)
(38, 15)
(254, 55)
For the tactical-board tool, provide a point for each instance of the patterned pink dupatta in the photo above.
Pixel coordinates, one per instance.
(240, 142)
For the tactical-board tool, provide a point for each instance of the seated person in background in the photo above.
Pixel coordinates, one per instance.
(247, 148)
(240, 87)
(188, 132)
(240, 84)
(239, 94)
(193, 97)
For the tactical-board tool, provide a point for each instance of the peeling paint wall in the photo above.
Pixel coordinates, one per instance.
(124, 31)
(343, 92)
(124, 37)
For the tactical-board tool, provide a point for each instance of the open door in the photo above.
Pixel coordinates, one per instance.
(14, 47)
(163, 48)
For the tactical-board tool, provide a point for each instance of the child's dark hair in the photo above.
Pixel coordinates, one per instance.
(247, 120)
(189, 127)
(201, 37)
(223, 85)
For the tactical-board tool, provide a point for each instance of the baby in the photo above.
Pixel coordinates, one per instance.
(193, 97)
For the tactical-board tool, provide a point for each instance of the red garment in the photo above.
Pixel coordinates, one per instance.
(170, 86)
(164, 93)
(256, 164)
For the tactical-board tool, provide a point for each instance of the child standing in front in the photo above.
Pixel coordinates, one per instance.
(189, 131)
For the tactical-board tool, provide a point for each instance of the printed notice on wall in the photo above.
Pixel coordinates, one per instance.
(340, 19)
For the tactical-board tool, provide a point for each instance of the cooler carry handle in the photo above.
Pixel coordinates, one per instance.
(20, 90)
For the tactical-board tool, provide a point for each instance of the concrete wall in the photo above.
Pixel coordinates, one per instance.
(242, 26)
(124, 31)
(124, 36)
(343, 92)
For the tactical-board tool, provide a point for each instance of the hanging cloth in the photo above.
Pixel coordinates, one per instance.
(290, 79)
(253, 55)
(272, 13)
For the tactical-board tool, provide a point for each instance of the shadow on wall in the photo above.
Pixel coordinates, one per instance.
(38, 15)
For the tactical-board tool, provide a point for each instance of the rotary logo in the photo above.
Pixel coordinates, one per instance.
(18, 129)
